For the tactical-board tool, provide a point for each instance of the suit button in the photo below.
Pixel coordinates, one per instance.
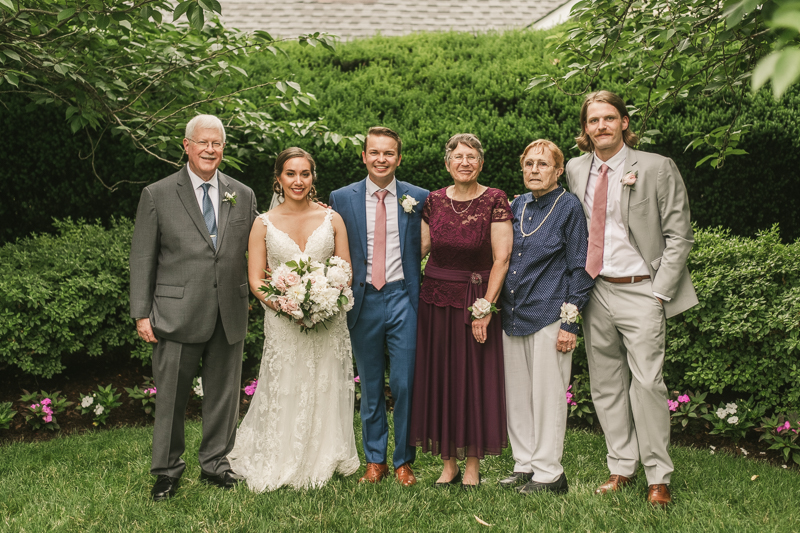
(361, 284)
(216, 260)
(215, 285)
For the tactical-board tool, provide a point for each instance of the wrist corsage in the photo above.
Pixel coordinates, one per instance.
(481, 308)
(408, 203)
(569, 313)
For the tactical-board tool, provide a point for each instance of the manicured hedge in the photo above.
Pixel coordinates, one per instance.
(67, 296)
(427, 87)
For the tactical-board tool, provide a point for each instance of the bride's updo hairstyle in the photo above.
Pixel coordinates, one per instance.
(283, 157)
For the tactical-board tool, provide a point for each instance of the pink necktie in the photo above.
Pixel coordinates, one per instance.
(379, 243)
(597, 227)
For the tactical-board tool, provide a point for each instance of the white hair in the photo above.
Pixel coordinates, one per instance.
(205, 122)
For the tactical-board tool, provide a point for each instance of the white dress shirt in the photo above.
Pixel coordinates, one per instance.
(213, 191)
(394, 261)
(620, 258)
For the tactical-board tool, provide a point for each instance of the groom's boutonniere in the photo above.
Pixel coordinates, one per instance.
(629, 180)
(230, 198)
(408, 203)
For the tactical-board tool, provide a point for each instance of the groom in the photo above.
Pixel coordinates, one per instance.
(640, 236)
(385, 250)
(189, 296)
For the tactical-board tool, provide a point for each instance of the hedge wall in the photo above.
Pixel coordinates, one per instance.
(67, 296)
(427, 87)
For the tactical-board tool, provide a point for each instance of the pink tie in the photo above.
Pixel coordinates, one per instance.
(597, 227)
(379, 243)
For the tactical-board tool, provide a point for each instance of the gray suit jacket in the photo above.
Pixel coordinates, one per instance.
(178, 279)
(655, 212)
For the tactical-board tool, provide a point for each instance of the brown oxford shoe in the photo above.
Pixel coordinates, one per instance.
(375, 472)
(405, 475)
(614, 483)
(658, 495)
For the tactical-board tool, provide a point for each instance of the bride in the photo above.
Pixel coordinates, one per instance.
(298, 430)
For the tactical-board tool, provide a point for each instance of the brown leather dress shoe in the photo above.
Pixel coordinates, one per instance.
(614, 483)
(375, 472)
(659, 495)
(405, 476)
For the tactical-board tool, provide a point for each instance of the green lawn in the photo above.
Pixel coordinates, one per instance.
(100, 482)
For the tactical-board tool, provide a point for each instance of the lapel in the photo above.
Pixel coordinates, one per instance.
(631, 165)
(582, 175)
(224, 207)
(358, 203)
(402, 216)
(189, 201)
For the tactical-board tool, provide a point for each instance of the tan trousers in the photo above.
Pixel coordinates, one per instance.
(625, 334)
(537, 377)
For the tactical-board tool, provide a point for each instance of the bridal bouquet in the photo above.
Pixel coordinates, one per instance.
(309, 291)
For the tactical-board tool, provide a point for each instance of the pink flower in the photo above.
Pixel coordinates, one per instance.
(48, 418)
(34, 406)
(150, 391)
(784, 427)
(673, 405)
(357, 379)
(251, 389)
(46, 401)
(292, 278)
(684, 399)
(630, 178)
(46, 410)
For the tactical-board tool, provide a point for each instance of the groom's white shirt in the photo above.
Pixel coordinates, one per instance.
(394, 261)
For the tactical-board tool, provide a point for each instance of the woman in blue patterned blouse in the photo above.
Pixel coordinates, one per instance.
(546, 287)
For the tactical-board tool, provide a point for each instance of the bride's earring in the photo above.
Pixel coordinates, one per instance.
(312, 192)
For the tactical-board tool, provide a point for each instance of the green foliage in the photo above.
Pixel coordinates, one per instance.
(781, 433)
(41, 408)
(579, 399)
(147, 395)
(100, 403)
(65, 294)
(7, 414)
(743, 337)
(734, 419)
(689, 408)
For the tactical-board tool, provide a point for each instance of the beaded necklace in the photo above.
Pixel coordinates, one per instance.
(522, 219)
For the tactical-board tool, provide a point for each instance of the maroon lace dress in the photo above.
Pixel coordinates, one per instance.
(458, 407)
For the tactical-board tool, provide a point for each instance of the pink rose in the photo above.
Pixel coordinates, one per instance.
(292, 278)
(630, 178)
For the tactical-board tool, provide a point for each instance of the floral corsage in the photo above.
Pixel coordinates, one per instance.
(408, 203)
(481, 308)
(569, 313)
(230, 198)
(629, 179)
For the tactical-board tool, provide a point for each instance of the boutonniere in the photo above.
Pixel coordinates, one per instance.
(629, 179)
(408, 203)
(230, 198)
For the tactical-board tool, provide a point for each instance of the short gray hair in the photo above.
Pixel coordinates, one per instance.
(203, 122)
(462, 138)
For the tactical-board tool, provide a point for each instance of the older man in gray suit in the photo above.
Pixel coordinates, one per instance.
(189, 296)
(640, 236)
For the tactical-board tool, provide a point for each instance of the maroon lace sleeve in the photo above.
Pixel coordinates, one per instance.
(460, 240)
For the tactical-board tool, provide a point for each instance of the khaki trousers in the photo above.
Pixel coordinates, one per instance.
(625, 327)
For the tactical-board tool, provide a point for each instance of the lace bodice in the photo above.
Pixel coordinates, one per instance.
(281, 248)
(461, 239)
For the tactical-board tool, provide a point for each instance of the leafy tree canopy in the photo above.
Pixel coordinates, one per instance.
(667, 51)
(143, 68)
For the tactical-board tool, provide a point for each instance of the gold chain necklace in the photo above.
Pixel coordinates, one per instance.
(522, 219)
(454, 207)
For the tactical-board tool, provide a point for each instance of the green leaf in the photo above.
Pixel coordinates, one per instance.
(294, 85)
(180, 9)
(281, 86)
(196, 17)
(787, 70)
(125, 23)
(102, 21)
(11, 78)
(65, 13)
(8, 5)
(764, 70)
(786, 17)
(11, 54)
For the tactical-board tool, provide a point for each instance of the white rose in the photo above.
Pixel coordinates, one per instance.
(481, 308)
(408, 204)
(349, 293)
(569, 313)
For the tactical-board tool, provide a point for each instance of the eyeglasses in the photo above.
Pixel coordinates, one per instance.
(542, 165)
(471, 159)
(205, 144)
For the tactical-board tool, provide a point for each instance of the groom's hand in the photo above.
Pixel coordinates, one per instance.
(145, 330)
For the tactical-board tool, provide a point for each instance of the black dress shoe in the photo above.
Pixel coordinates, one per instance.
(455, 481)
(164, 488)
(558, 486)
(516, 478)
(224, 480)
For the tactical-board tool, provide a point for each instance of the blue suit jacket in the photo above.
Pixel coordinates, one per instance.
(351, 203)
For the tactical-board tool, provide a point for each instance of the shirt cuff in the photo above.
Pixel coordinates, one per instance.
(662, 297)
(570, 328)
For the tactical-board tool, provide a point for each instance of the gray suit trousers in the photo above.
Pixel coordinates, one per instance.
(625, 340)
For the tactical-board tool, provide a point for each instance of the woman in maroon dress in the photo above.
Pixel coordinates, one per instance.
(458, 409)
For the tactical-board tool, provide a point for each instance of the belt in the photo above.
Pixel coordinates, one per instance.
(475, 284)
(626, 279)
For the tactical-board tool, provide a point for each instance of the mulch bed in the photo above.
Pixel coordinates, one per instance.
(121, 371)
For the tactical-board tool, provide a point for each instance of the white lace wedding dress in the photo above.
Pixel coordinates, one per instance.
(298, 430)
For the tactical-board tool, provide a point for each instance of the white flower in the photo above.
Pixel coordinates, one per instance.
(408, 203)
(337, 276)
(731, 408)
(744, 452)
(296, 293)
(87, 401)
(481, 308)
(722, 413)
(230, 198)
(569, 313)
(198, 390)
(350, 301)
(98, 410)
(784, 466)
(733, 420)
